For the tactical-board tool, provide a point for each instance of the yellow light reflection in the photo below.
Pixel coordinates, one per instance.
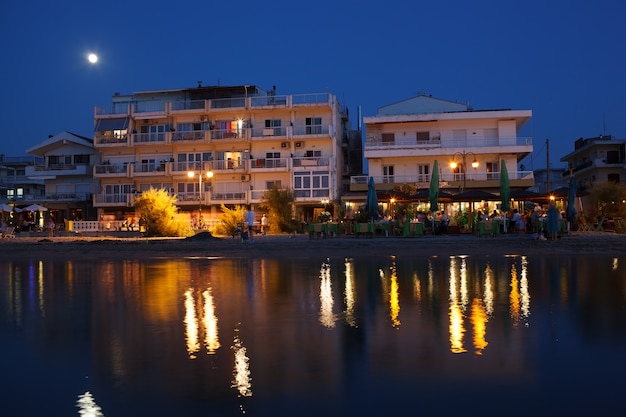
(40, 282)
(464, 284)
(524, 291)
(87, 406)
(615, 264)
(479, 323)
(514, 297)
(211, 340)
(191, 325)
(417, 288)
(241, 372)
(394, 298)
(488, 291)
(350, 294)
(456, 329)
(327, 318)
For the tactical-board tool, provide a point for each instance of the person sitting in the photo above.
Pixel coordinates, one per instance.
(517, 221)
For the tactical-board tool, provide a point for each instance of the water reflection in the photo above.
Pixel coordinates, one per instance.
(344, 334)
(87, 406)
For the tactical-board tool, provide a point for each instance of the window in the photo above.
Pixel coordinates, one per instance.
(492, 169)
(388, 173)
(313, 125)
(423, 173)
(59, 160)
(389, 137)
(613, 178)
(313, 154)
(612, 157)
(272, 127)
(423, 137)
(272, 159)
(271, 184)
(152, 133)
(81, 159)
(314, 184)
(116, 193)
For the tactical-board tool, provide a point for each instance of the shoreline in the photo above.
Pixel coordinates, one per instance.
(300, 246)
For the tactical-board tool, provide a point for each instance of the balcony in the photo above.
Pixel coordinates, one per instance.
(113, 200)
(274, 133)
(322, 161)
(104, 139)
(64, 197)
(269, 164)
(311, 130)
(377, 143)
(56, 170)
(111, 170)
(450, 180)
(190, 136)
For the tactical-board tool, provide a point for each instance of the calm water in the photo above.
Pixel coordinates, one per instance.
(228, 337)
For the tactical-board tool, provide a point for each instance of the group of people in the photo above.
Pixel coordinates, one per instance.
(539, 222)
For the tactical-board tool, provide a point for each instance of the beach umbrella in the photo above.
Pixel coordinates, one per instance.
(433, 190)
(371, 203)
(35, 207)
(505, 190)
(570, 212)
(6, 208)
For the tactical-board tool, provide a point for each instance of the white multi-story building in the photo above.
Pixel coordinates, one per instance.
(66, 166)
(249, 139)
(404, 139)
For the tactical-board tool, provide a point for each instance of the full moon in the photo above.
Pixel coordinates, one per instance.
(93, 58)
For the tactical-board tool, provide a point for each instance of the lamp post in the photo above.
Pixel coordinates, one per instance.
(454, 164)
(201, 174)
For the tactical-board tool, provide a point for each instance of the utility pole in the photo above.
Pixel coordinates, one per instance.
(547, 165)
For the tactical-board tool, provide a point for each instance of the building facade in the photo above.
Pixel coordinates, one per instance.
(16, 188)
(248, 139)
(66, 162)
(599, 159)
(403, 140)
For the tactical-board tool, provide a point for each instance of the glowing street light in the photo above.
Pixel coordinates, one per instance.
(454, 164)
(201, 175)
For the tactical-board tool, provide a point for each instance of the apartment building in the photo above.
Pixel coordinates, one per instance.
(598, 159)
(65, 166)
(403, 140)
(248, 139)
(16, 188)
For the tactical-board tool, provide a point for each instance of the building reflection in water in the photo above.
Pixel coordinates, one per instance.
(327, 317)
(242, 381)
(135, 322)
(349, 293)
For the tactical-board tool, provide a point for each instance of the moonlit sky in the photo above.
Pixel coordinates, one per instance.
(563, 59)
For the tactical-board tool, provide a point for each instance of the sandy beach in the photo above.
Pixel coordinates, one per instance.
(301, 246)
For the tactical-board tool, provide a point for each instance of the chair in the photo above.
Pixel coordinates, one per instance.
(9, 232)
(317, 230)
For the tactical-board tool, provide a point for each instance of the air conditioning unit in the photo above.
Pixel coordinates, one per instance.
(299, 144)
(204, 118)
(245, 177)
(284, 144)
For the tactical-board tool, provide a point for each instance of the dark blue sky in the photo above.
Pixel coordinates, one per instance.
(562, 59)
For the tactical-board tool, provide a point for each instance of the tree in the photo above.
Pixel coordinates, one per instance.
(157, 209)
(608, 199)
(278, 202)
(230, 219)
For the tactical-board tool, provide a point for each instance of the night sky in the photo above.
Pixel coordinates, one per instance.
(562, 59)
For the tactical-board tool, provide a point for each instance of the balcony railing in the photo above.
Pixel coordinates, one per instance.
(377, 143)
(443, 177)
(311, 130)
(163, 107)
(108, 139)
(148, 137)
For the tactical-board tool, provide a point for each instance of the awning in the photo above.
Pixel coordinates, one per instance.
(105, 125)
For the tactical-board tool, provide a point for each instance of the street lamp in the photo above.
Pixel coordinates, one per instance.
(454, 164)
(201, 174)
